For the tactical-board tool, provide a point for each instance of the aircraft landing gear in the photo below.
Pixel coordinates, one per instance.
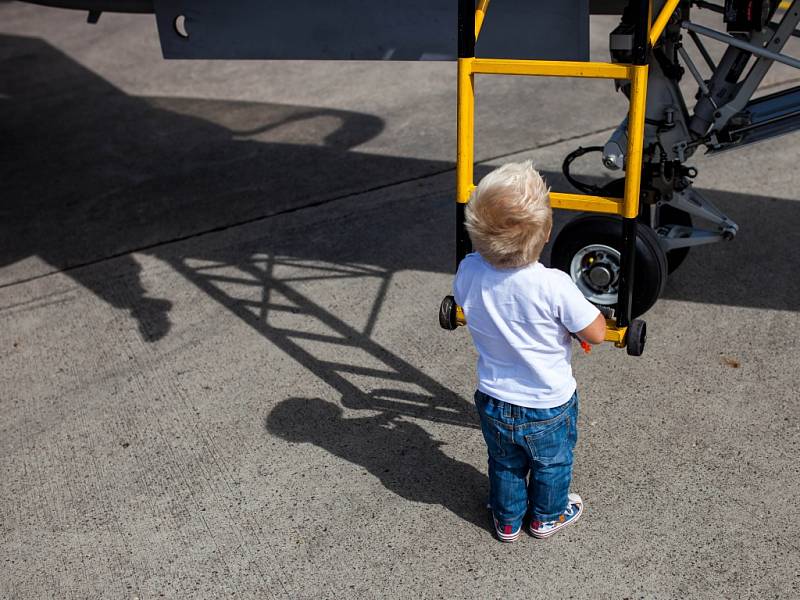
(665, 216)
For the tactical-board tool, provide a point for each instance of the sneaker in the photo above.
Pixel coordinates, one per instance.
(543, 529)
(504, 532)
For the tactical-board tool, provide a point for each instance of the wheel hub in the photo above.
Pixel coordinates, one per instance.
(600, 276)
(595, 270)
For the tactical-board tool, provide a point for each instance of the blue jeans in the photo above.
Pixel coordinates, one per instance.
(524, 440)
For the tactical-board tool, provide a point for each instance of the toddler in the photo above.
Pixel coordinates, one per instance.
(521, 316)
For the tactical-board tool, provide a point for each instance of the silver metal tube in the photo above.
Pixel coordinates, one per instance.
(741, 44)
(693, 70)
(706, 56)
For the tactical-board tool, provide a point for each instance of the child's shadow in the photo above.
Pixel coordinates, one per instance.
(406, 459)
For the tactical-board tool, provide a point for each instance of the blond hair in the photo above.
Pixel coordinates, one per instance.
(508, 216)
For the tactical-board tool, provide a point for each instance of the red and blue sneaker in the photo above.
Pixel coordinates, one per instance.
(505, 533)
(543, 529)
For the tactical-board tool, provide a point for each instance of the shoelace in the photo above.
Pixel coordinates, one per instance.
(569, 511)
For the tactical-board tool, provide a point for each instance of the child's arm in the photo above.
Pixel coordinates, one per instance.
(579, 316)
(595, 332)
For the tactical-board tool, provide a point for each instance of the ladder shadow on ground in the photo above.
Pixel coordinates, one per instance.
(388, 442)
(321, 341)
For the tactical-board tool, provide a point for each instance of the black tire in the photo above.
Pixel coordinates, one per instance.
(447, 313)
(636, 337)
(667, 215)
(650, 270)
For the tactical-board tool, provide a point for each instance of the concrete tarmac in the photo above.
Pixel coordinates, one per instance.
(223, 373)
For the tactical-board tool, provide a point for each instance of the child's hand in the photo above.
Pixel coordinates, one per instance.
(587, 347)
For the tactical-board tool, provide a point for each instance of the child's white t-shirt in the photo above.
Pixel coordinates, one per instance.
(520, 321)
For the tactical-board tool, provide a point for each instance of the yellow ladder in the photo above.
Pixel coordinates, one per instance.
(471, 20)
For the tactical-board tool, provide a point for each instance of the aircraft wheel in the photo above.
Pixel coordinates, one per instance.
(667, 215)
(589, 248)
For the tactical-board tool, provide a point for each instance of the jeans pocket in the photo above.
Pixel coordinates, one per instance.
(550, 445)
(494, 438)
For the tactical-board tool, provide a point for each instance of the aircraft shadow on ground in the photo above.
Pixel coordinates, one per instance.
(89, 172)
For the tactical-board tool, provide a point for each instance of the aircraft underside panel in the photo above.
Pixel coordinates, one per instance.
(368, 30)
